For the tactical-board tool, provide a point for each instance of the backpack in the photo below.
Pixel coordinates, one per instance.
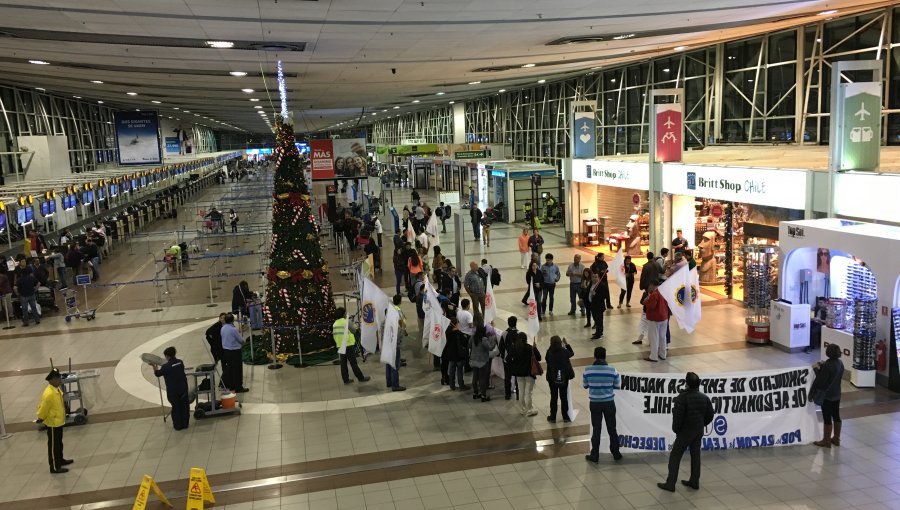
(447, 212)
(440, 212)
(495, 277)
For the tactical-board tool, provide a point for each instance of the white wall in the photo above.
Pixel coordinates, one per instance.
(459, 123)
(47, 158)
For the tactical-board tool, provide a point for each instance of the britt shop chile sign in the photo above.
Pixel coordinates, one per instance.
(760, 186)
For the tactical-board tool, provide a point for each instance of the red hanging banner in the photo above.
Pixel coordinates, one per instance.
(321, 157)
(669, 133)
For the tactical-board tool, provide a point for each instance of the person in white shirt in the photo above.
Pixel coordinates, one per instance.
(378, 230)
(465, 318)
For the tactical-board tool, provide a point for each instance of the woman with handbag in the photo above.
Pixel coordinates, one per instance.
(534, 278)
(525, 366)
(584, 293)
(559, 373)
(826, 392)
(480, 346)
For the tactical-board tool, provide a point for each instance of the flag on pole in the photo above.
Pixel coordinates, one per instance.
(389, 339)
(432, 230)
(618, 268)
(437, 337)
(490, 305)
(368, 266)
(682, 292)
(534, 324)
(410, 233)
(372, 313)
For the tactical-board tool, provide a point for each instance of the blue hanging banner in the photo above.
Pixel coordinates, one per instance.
(584, 133)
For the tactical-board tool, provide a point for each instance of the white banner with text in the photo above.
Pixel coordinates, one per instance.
(752, 409)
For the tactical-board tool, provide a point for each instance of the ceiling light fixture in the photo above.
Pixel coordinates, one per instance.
(415, 100)
(502, 90)
(176, 108)
(440, 94)
(238, 73)
(827, 13)
(131, 93)
(474, 82)
(187, 111)
(542, 81)
(666, 70)
(528, 65)
(248, 91)
(39, 88)
(396, 107)
(155, 102)
(257, 106)
(99, 102)
(77, 97)
(681, 48)
(623, 36)
(98, 82)
(254, 100)
(220, 44)
(39, 62)
(452, 102)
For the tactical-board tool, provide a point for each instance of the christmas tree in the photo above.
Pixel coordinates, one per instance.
(298, 290)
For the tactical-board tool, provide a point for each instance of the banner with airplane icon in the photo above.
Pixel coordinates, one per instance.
(669, 133)
(861, 133)
(584, 132)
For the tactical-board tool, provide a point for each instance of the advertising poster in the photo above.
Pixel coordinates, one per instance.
(669, 133)
(137, 137)
(173, 145)
(321, 158)
(349, 157)
(752, 409)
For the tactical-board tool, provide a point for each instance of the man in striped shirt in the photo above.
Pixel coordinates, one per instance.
(601, 381)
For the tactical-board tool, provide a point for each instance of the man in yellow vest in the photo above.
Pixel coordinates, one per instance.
(343, 337)
(52, 413)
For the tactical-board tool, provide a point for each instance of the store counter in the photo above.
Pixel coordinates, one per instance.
(844, 340)
(789, 326)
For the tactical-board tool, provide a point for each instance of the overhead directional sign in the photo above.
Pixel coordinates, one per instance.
(861, 134)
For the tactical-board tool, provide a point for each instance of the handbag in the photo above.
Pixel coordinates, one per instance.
(817, 396)
(570, 372)
(536, 369)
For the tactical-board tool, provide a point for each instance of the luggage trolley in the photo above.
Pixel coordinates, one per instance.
(72, 307)
(206, 384)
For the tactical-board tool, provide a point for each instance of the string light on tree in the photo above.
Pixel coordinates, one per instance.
(282, 90)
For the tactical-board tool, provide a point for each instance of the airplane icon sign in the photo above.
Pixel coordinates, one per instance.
(862, 113)
(668, 123)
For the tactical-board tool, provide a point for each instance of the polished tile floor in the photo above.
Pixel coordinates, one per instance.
(307, 441)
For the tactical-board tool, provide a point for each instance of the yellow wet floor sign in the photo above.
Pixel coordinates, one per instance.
(198, 490)
(148, 485)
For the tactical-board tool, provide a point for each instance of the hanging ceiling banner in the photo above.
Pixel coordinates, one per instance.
(861, 128)
(669, 133)
(137, 138)
(584, 132)
(321, 158)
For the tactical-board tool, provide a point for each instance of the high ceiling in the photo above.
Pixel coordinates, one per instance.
(343, 58)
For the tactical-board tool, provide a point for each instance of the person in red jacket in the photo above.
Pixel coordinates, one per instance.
(657, 321)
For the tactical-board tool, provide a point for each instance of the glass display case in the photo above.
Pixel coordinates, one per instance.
(759, 278)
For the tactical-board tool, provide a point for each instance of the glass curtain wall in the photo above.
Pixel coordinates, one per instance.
(765, 89)
(434, 125)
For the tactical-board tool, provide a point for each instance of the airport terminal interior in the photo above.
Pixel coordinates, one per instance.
(192, 190)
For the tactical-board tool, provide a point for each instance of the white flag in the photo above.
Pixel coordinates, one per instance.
(490, 305)
(372, 313)
(389, 339)
(682, 292)
(433, 232)
(618, 268)
(534, 324)
(695, 280)
(437, 334)
(410, 233)
(431, 298)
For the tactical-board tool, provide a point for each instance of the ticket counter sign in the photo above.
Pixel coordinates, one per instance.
(669, 133)
(861, 133)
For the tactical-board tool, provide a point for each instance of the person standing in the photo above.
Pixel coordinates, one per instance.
(657, 321)
(337, 332)
(828, 381)
(456, 353)
(475, 215)
(52, 414)
(650, 272)
(92, 258)
(523, 249)
(59, 265)
(507, 341)
(559, 372)
(575, 272)
(536, 243)
(679, 244)
(379, 230)
(480, 346)
(601, 268)
(474, 285)
(400, 269)
(520, 364)
(447, 215)
(692, 411)
(26, 286)
(6, 292)
(601, 380)
(172, 373)
(233, 219)
(214, 339)
(630, 270)
(535, 280)
(550, 274)
(486, 230)
(440, 216)
(597, 305)
(233, 364)
(419, 223)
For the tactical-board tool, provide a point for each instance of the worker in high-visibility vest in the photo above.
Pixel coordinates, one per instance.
(52, 413)
(344, 338)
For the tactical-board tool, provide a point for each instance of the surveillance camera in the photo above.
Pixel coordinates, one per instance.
(393, 70)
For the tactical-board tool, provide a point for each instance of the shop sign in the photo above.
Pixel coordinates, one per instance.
(669, 132)
(527, 175)
(760, 186)
(796, 232)
(717, 211)
(861, 133)
(469, 154)
(619, 174)
(413, 141)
